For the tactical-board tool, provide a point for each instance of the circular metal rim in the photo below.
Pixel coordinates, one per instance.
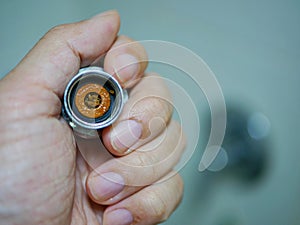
(95, 126)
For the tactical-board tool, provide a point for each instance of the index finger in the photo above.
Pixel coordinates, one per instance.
(126, 61)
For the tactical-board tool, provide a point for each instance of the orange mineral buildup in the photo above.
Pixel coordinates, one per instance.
(92, 100)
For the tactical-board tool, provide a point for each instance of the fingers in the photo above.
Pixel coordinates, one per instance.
(126, 61)
(66, 48)
(145, 115)
(121, 177)
(149, 206)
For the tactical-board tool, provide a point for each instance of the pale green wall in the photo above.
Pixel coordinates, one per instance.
(252, 47)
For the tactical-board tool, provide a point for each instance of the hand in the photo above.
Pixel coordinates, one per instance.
(44, 178)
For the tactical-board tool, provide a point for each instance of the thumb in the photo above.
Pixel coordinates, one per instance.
(64, 49)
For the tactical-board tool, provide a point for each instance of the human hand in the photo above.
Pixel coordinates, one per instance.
(44, 178)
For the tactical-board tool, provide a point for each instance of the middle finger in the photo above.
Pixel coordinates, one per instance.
(145, 115)
(121, 177)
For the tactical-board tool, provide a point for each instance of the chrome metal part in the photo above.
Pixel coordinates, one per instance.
(93, 99)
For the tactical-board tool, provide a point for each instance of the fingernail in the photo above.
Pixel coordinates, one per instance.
(125, 134)
(126, 67)
(118, 217)
(106, 186)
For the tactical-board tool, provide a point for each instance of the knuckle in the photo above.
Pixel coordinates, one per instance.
(142, 160)
(156, 206)
(57, 29)
(151, 107)
(56, 33)
(160, 107)
(158, 202)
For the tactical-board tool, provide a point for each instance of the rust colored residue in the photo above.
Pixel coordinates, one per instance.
(92, 100)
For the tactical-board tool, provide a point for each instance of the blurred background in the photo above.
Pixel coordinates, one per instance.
(253, 49)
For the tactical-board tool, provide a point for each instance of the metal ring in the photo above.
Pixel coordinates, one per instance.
(93, 99)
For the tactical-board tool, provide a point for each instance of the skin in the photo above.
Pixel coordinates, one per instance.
(46, 176)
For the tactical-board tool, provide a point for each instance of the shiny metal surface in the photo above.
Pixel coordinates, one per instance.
(87, 126)
(252, 47)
